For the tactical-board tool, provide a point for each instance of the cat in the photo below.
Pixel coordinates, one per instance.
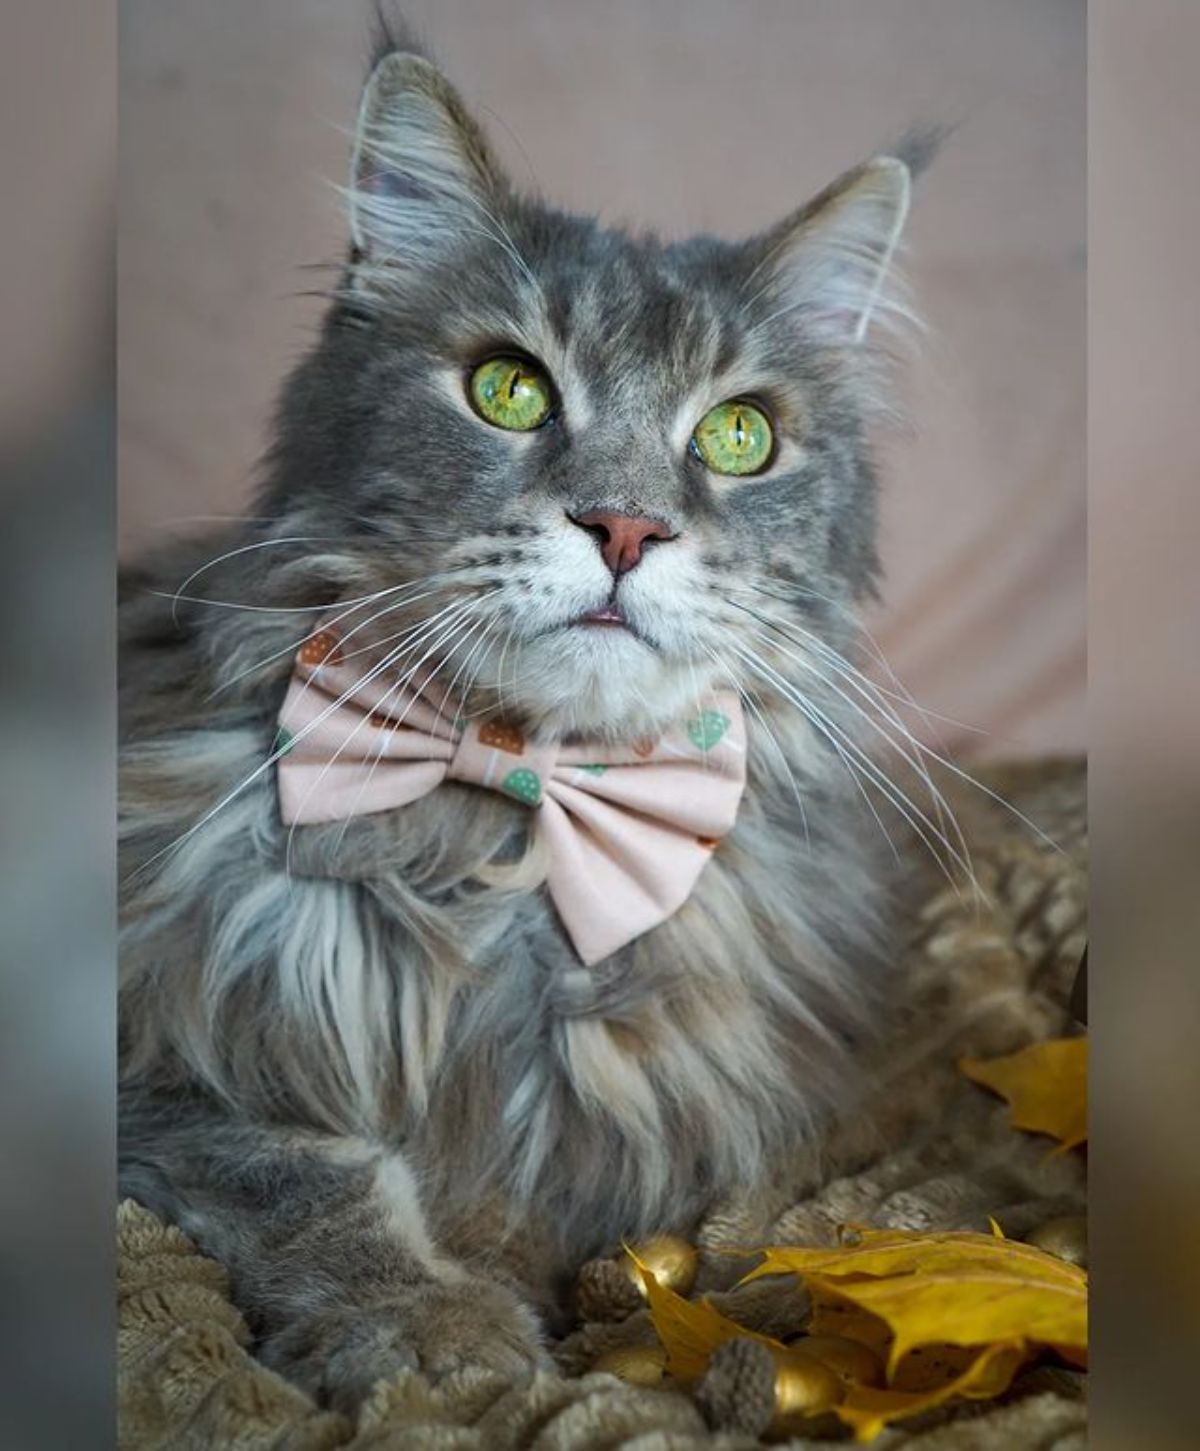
(363, 1063)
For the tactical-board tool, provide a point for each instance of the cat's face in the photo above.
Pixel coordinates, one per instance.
(595, 460)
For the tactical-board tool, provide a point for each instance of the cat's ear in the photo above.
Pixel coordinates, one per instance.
(831, 264)
(421, 170)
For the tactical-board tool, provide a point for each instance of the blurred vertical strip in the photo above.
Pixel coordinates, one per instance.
(57, 476)
(1144, 973)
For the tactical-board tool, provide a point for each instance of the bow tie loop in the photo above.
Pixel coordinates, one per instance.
(628, 827)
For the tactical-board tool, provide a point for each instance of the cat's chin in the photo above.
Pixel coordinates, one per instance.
(600, 682)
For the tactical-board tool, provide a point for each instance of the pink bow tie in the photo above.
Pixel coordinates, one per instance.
(628, 828)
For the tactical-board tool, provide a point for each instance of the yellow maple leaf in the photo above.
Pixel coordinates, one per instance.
(874, 1252)
(955, 1313)
(956, 1287)
(690, 1330)
(1045, 1084)
(832, 1315)
(971, 1307)
(989, 1372)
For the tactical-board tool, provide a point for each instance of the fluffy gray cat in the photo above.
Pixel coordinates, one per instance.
(363, 1065)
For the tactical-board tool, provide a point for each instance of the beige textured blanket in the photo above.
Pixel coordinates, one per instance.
(934, 1151)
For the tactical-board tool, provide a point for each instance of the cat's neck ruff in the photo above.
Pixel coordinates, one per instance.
(408, 979)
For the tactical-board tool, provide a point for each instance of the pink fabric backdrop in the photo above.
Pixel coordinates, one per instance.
(680, 114)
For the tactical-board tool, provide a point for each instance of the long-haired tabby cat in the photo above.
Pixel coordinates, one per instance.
(573, 481)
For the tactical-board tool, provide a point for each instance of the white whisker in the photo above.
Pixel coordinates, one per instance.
(863, 765)
(810, 714)
(450, 630)
(864, 684)
(232, 554)
(478, 648)
(900, 691)
(752, 705)
(325, 623)
(272, 757)
(942, 808)
(418, 628)
(279, 609)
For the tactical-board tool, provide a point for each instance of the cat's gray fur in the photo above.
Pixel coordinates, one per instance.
(364, 1067)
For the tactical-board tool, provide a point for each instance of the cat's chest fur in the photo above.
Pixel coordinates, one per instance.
(618, 1096)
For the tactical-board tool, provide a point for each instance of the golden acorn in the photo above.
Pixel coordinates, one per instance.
(1066, 1237)
(671, 1259)
(854, 1362)
(639, 1365)
(803, 1388)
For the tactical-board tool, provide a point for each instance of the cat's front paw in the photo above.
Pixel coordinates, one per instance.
(337, 1355)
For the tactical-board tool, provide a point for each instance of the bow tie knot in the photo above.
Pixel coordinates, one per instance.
(629, 827)
(497, 757)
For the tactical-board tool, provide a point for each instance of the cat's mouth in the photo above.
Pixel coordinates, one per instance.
(606, 615)
(609, 618)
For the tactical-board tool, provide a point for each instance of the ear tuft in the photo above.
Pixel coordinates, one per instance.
(392, 31)
(831, 263)
(921, 144)
(421, 170)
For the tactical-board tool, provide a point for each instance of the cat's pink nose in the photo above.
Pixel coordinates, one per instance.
(622, 537)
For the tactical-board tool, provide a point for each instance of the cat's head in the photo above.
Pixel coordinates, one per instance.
(600, 462)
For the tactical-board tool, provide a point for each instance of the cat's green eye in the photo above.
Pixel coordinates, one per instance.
(734, 438)
(512, 393)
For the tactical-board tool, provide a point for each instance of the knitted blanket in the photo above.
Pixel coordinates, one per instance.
(931, 1151)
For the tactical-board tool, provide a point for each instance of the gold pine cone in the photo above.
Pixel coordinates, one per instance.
(804, 1387)
(671, 1258)
(1066, 1237)
(604, 1291)
(856, 1363)
(639, 1365)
